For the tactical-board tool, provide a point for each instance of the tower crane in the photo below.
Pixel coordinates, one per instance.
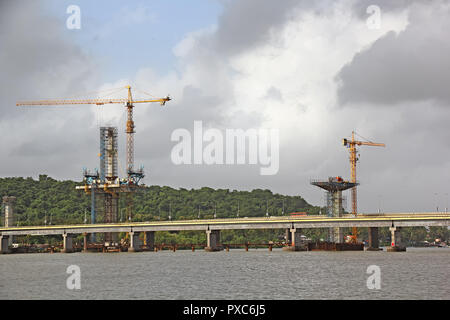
(351, 145)
(129, 104)
(133, 176)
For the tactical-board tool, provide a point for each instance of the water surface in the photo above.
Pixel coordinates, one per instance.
(419, 273)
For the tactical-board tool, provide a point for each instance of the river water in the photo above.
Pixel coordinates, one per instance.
(419, 273)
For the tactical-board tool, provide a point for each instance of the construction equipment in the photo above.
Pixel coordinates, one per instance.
(129, 103)
(351, 144)
(334, 187)
(133, 175)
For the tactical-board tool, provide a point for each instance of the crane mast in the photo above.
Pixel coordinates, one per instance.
(353, 160)
(351, 144)
(130, 134)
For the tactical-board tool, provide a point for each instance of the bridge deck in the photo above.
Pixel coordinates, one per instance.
(363, 220)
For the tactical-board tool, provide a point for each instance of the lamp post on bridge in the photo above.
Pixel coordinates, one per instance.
(379, 203)
(446, 202)
(170, 211)
(437, 206)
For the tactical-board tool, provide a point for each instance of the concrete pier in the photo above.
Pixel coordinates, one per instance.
(296, 243)
(337, 235)
(213, 240)
(4, 242)
(85, 242)
(135, 242)
(67, 243)
(149, 240)
(374, 243)
(8, 203)
(396, 240)
(288, 236)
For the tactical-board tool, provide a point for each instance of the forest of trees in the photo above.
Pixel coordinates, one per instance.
(47, 200)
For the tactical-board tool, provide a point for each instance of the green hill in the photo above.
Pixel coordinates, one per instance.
(58, 202)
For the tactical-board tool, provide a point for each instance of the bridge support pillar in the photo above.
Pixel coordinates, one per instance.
(135, 242)
(85, 242)
(4, 242)
(149, 240)
(374, 243)
(296, 241)
(67, 243)
(338, 235)
(288, 236)
(396, 240)
(213, 240)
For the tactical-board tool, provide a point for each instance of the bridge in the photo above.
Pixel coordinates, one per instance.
(212, 227)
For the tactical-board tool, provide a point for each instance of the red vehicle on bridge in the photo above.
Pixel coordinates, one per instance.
(297, 214)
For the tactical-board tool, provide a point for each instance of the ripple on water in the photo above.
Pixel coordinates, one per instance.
(257, 274)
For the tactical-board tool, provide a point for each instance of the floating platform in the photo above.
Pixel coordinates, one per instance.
(218, 248)
(303, 247)
(396, 249)
(374, 249)
(332, 246)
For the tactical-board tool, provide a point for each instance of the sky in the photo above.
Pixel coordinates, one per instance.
(314, 71)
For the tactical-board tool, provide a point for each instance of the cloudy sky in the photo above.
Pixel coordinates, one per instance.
(313, 70)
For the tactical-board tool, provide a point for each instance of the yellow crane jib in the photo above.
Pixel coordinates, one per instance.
(128, 102)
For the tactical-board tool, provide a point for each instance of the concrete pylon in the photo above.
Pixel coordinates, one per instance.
(149, 240)
(396, 240)
(296, 243)
(8, 203)
(374, 243)
(4, 244)
(135, 242)
(337, 235)
(288, 236)
(213, 240)
(67, 243)
(85, 242)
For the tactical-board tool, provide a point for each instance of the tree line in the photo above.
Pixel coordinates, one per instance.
(49, 201)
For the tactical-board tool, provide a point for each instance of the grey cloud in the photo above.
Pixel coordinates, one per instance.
(247, 23)
(40, 57)
(274, 93)
(39, 60)
(412, 65)
(360, 6)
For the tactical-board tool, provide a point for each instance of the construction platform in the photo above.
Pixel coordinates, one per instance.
(334, 184)
(332, 246)
(111, 188)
